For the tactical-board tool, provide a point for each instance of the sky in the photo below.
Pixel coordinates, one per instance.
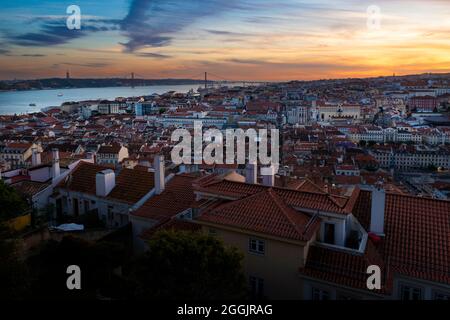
(230, 39)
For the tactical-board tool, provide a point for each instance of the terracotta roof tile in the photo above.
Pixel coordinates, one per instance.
(177, 197)
(301, 199)
(264, 212)
(345, 268)
(417, 234)
(131, 185)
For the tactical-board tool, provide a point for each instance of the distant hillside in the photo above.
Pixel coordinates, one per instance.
(61, 83)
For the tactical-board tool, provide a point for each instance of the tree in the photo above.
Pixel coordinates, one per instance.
(13, 271)
(97, 261)
(187, 265)
(11, 203)
(362, 143)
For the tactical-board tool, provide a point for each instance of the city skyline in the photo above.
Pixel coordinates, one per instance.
(238, 40)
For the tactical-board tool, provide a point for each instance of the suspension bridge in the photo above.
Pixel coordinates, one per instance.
(206, 79)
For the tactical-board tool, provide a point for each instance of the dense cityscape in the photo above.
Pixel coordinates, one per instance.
(197, 159)
(363, 180)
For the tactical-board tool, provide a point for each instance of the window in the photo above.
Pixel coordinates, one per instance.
(256, 287)
(329, 230)
(257, 246)
(319, 294)
(212, 232)
(410, 293)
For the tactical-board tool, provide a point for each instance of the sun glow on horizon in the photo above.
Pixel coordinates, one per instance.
(238, 40)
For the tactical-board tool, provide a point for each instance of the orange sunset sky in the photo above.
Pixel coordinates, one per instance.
(237, 40)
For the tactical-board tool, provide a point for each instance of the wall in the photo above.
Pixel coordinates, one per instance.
(278, 267)
(19, 223)
(138, 226)
(41, 174)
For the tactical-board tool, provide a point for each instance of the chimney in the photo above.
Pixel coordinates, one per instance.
(89, 156)
(55, 164)
(377, 210)
(105, 181)
(251, 173)
(35, 157)
(269, 176)
(158, 164)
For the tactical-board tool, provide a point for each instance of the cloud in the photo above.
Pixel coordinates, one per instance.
(227, 33)
(152, 55)
(33, 55)
(86, 65)
(153, 23)
(247, 61)
(53, 31)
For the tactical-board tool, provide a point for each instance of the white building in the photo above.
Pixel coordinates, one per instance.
(421, 158)
(330, 112)
(112, 154)
(298, 115)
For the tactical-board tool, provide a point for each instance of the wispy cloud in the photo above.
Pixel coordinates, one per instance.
(86, 65)
(227, 33)
(35, 55)
(152, 55)
(53, 31)
(154, 23)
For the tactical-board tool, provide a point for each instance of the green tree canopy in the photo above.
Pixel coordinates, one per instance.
(97, 261)
(13, 271)
(11, 203)
(186, 265)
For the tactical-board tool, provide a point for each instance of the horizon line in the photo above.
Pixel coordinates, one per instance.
(238, 80)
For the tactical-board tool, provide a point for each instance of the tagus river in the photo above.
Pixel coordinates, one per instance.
(17, 102)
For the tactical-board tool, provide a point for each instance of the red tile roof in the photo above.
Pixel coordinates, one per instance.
(131, 185)
(82, 178)
(417, 234)
(300, 199)
(264, 212)
(111, 149)
(344, 268)
(177, 197)
(30, 188)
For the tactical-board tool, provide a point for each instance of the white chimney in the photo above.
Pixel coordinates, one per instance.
(158, 164)
(35, 157)
(251, 173)
(105, 181)
(55, 164)
(269, 176)
(377, 210)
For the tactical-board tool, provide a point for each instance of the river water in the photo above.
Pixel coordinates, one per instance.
(17, 102)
